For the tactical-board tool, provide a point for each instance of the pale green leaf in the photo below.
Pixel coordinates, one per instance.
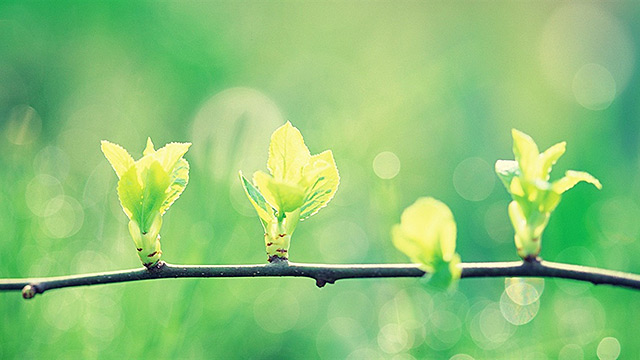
(571, 178)
(154, 193)
(289, 197)
(118, 157)
(321, 175)
(179, 180)
(169, 154)
(526, 153)
(515, 188)
(429, 224)
(285, 197)
(264, 209)
(261, 181)
(412, 248)
(506, 170)
(549, 158)
(149, 149)
(130, 194)
(445, 273)
(287, 154)
(517, 216)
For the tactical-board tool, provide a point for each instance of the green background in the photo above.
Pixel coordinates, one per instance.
(438, 84)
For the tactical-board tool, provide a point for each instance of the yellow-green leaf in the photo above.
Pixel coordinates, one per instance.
(149, 149)
(284, 197)
(287, 154)
(289, 197)
(507, 170)
(261, 180)
(412, 248)
(549, 158)
(526, 153)
(571, 178)
(154, 193)
(130, 194)
(427, 231)
(118, 157)
(179, 180)
(264, 209)
(169, 154)
(322, 179)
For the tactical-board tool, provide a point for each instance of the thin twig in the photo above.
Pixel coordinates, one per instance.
(324, 274)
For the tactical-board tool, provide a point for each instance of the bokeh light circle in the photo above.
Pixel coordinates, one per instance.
(473, 179)
(386, 165)
(276, 310)
(40, 190)
(608, 349)
(578, 34)
(63, 217)
(334, 249)
(524, 291)
(594, 87)
(393, 339)
(571, 352)
(515, 313)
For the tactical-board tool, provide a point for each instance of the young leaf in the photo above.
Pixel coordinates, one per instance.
(298, 186)
(525, 151)
(170, 154)
(262, 180)
(571, 178)
(179, 181)
(264, 210)
(147, 188)
(289, 197)
(322, 170)
(287, 154)
(506, 170)
(427, 231)
(118, 157)
(130, 194)
(154, 193)
(549, 158)
(527, 179)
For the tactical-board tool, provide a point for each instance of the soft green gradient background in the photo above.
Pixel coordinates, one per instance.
(433, 82)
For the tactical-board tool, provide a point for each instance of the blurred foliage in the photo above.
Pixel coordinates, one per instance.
(414, 99)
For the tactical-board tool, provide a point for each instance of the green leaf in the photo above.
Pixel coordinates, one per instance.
(287, 154)
(571, 178)
(322, 174)
(261, 181)
(149, 149)
(130, 194)
(549, 158)
(427, 232)
(154, 193)
(445, 274)
(284, 197)
(507, 170)
(526, 153)
(289, 197)
(179, 180)
(264, 209)
(412, 248)
(118, 157)
(517, 216)
(170, 154)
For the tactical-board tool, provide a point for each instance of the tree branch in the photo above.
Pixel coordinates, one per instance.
(324, 274)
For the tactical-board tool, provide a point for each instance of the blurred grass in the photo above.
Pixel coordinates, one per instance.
(434, 83)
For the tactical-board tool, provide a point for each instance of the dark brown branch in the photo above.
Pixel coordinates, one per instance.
(325, 274)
